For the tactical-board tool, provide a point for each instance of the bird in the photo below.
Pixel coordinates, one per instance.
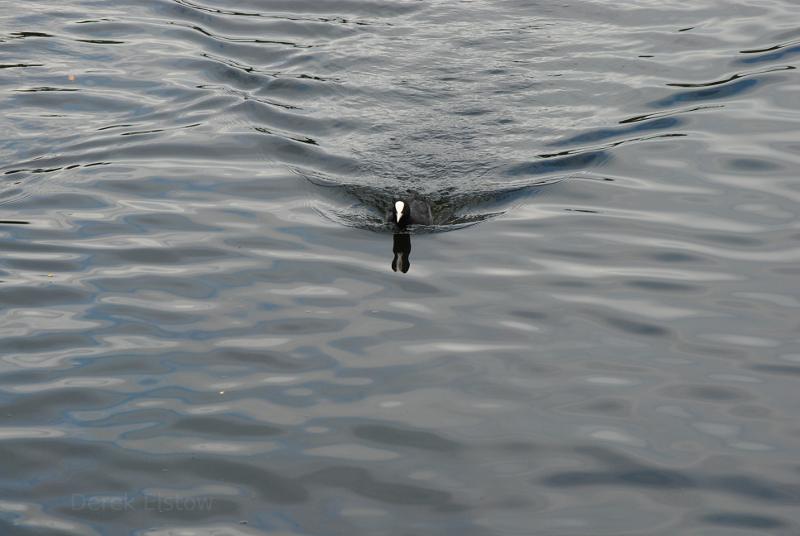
(412, 211)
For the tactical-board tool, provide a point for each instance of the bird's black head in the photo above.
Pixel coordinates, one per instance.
(401, 213)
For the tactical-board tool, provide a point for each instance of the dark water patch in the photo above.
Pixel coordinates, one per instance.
(129, 362)
(575, 254)
(166, 221)
(473, 112)
(640, 125)
(791, 370)
(52, 407)
(611, 145)
(301, 140)
(359, 481)
(117, 508)
(250, 242)
(658, 115)
(230, 39)
(607, 407)
(553, 163)
(725, 91)
(744, 521)
(398, 437)
(751, 411)
(642, 478)
(732, 239)
(303, 325)
(709, 393)
(626, 471)
(676, 256)
(48, 294)
(635, 327)
(65, 200)
(45, 266)
(670, 480)
(156, 130)
(530, 315)
(773, 53)
(181, 287)
(159, 256)
(298, 361)
(766, 49)
(730, 78)
(753, 165)
(14, 527)
(144, 312)
(291, 9)
(661, 286)
(225, 427)
(269, 485)
(705, 350)
(276, 119)
(355, 345)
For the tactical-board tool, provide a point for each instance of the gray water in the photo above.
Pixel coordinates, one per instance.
(201, 332)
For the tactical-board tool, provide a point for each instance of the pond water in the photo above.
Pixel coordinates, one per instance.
(207, 327)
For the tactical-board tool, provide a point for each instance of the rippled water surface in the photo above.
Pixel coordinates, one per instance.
(201, 332)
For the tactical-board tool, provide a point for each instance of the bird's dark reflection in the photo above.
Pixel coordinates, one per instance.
(402, 252)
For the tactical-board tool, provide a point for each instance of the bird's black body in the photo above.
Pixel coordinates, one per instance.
(412, 211)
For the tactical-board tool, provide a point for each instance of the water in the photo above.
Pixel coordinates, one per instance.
(202, 332)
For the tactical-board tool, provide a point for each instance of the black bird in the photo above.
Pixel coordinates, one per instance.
(413, 211)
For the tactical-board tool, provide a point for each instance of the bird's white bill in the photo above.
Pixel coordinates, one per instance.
(399, 206)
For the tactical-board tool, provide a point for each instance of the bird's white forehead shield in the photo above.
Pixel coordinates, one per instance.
(399, 206)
